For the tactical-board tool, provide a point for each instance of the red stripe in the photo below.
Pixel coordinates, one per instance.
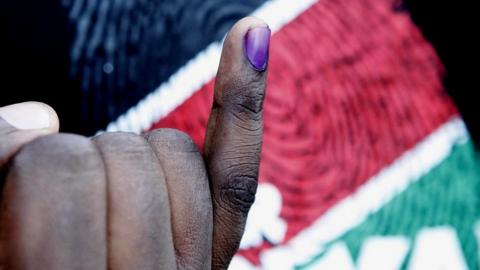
(352, 85)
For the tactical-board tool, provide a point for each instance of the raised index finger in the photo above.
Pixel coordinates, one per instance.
(234, 134)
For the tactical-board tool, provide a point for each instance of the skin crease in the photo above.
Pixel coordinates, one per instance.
(127, 201)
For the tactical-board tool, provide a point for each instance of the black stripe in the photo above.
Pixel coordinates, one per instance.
(94, 59)
(452, 28)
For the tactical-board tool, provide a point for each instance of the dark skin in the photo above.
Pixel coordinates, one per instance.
(126, 201)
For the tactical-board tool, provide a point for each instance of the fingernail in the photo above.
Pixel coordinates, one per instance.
(28, 115)
(257, 41)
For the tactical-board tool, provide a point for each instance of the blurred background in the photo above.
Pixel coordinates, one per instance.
(371, 123)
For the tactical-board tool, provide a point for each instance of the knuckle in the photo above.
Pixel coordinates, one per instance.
(249, 102)
(121, 142)
(59, 149)
(238, 192)
(116, 137)
(58, 154)
(171, 139)
(246, 100)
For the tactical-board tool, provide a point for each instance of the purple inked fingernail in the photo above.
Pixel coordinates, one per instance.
(257, 41)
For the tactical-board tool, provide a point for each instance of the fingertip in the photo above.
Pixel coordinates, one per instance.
(241, 27)
(246, 45)
(244, 60)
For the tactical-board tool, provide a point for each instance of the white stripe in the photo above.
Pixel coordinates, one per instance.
(368, 199)
(198, 71)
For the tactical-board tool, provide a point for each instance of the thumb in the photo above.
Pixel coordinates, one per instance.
(21, 123)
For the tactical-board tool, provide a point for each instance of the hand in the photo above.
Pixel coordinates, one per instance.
(125, 201)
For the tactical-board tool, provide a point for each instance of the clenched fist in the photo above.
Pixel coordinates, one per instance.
(126, 201)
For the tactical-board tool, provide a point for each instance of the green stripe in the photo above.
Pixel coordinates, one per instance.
(448, 195)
